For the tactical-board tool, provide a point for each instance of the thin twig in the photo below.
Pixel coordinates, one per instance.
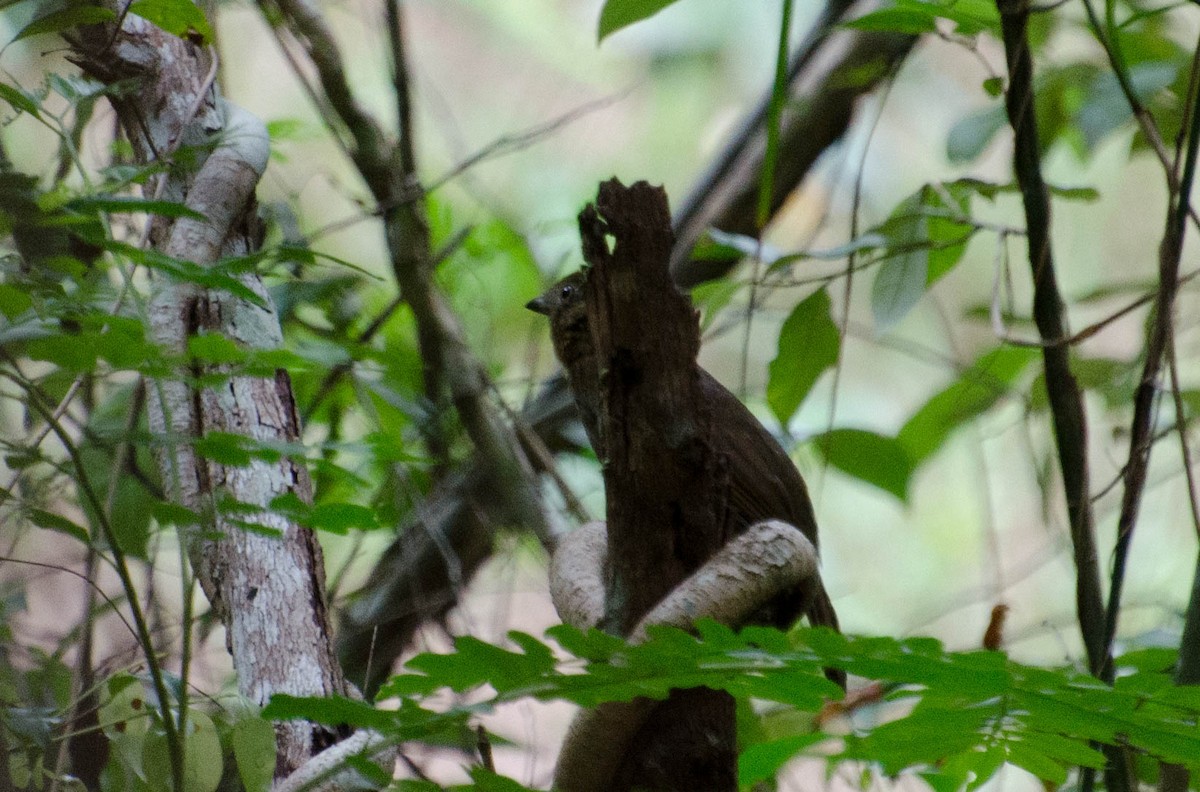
(1141, 429)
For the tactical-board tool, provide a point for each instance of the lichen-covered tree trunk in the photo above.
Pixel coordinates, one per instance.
(265, 581)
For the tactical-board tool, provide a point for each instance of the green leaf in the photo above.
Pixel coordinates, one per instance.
(178, 17)
(809, 343)
(167, 513)
(762, 761)
(973, 393)
(253, 742)
(870, 457)
(332, 710)
(338, 518)
(54, 522)
(906, 20)
(900, 283)
(971, 135)
(927, 234)
(1105, 108)
(20, 100)
(475, 662)
(14, 301)
(215, 348)
(127, 204)
(1031, 759)
(70, 17)
(226, 448)
(618, 14)
(487, 781)
(711, 298)
(1069, 751)
(920, 16)
(203, 760)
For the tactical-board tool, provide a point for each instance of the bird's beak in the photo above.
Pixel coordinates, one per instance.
(539, 304)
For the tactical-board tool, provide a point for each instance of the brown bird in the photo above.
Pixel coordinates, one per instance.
(764, 484)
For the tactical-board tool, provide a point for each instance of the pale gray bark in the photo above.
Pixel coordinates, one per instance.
(267, 585)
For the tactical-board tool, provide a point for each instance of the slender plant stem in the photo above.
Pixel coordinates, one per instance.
(1146, 396)
(766, 185)
(1066, 402)
(174, 742)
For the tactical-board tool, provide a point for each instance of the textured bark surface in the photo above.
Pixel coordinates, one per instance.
(663, 483)
(267, 587)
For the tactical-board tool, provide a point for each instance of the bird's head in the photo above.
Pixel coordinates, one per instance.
(564, 304)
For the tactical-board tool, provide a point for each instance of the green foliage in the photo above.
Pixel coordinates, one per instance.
(878, 460)
(969, 17)
(808, 345)
(954, 718)
(65, 19)
(617, 14)
(180, 17)
(975, 391)
(74, 289)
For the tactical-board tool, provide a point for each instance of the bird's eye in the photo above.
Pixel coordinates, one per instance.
(566, 292)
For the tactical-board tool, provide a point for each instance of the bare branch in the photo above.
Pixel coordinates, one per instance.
(1146, 396)
(1066, 402)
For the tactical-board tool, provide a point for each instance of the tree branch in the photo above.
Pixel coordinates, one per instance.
(1160, 337)
(750, 570)
(830, 72)
(1066, 402)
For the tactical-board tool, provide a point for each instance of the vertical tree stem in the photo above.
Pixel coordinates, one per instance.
(1066, 403)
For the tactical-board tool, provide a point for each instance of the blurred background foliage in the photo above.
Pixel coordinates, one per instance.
(926, 445)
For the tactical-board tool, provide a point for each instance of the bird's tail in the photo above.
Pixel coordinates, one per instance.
(821, 614)
(820, 610)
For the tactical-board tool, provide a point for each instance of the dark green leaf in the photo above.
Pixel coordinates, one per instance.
(167, 513)
(809, 343)
(338, 518)
(226, 448)
(618, 14)
(55, 522)
(867, 456)
(475, 662)
(70, 17)
(487, 781)
(178, 17)
(332, 711)
(126, 204)
(19, 100)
